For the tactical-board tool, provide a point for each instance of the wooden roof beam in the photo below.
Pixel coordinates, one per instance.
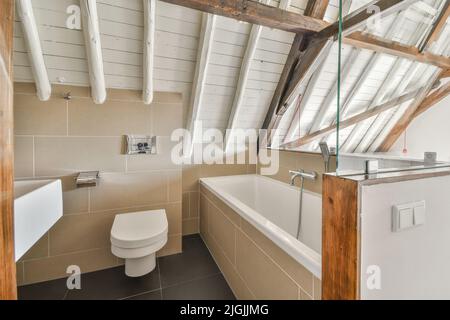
(256, 13)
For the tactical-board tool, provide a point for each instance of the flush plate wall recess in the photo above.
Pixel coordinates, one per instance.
(141, 144)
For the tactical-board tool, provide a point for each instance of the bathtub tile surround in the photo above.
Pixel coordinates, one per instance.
(169, 281)
(191, 188)
(59, 138)
(253, 265)
(294, 160)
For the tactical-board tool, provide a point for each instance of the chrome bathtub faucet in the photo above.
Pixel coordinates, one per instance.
(302, 174)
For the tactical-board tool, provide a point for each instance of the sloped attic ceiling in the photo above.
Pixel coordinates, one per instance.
(228, 98)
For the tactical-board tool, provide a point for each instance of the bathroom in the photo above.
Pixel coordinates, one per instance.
(202, 150)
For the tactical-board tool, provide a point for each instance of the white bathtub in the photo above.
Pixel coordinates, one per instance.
(272, 207)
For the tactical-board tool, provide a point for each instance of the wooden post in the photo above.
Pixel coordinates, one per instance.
(340, 239)
(8, 284)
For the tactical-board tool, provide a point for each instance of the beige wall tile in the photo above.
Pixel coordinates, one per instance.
(23, 157)
(233, 216)
(35, 117)
(73, 233)
(232, 277)
(55, 267)
(289, 160)
(113, 118)
(302, 295)
(191, 174)
(216, 170)
(39, 250)
(190, 226)
(173, 212)
(172, 246)
(174, 184)
(19, 273)
(194, 204)
(185, 205)
(67, 155)
(119, 190)
(204, 204)
(223, 230)
(295, 270)
(75, 200)
(251, 168)
(160, 161)
(166, 117)
(317, 289)
(253, 265)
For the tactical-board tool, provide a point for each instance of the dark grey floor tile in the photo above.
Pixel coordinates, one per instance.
(113, 284)
(210, 288)
(49, 290)
(154, 295)
(195, 262)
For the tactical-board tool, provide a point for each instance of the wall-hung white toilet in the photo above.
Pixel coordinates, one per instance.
(136, 237)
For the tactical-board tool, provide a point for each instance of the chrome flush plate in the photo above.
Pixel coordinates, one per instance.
(141, 144)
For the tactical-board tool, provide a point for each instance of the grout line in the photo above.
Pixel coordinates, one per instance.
(67, 117)
(194, 279)
(140, 294)
(232, 266)
(159, 276)
(66, 294)
(89, 200)
(189, 204)
(34, 157)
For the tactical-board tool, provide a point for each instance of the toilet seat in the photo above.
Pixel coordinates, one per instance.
(136, 237)
(139, 229)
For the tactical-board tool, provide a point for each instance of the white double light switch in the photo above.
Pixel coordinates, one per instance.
(408, 215)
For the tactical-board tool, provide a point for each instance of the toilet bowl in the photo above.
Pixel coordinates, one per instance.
(136, 237)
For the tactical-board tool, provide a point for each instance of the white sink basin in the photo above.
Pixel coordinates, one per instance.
(38, 205)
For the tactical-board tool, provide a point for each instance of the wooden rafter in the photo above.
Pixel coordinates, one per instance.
(91, 31)
(149, 48)
(359, 17)
(408, 115)
(433, 98)
(371, 42)
(31, 35)
(316, 8)
(352, 120)
(256, 13)
(351, 22)
(437, 27)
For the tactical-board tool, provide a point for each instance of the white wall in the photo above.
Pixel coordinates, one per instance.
(414, 263)
(429, 132)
